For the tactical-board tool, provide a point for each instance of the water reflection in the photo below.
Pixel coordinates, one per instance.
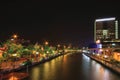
(97, 71)
(47, 70)
(35, 73)
(86, 58)
(72, 67)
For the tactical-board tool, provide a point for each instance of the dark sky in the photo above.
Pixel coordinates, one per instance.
(57, 22)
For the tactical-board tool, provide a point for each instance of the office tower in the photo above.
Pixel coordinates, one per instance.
(105, 29)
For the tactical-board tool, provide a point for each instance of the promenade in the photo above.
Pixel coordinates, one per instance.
(105, 62)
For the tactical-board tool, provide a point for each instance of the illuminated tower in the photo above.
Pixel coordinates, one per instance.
(105, 29)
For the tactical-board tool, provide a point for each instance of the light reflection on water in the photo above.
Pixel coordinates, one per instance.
(71, 67)
(35, 73)
(46, 71)
(97, 71)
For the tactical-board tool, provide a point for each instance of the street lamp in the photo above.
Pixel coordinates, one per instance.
(98, 42)
(15, 36)
(46, 43)
(58, 45)
(14, 60)
(37, 56)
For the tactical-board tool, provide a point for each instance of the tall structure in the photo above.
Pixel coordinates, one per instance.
(105, 29)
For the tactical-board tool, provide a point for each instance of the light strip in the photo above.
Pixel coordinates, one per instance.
(105, 19)
(116, 29)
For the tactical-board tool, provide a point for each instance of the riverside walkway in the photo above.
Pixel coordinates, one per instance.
(105, 62)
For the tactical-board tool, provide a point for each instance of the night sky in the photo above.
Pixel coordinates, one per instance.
(57, 22)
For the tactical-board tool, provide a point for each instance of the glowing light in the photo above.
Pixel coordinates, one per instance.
(44, 55)
(107, 50)
(93, 53)
(86, 57)
(42, 48)
(34, 52)
(64, 46)
(15, 36)
(47, 52)
(116, 27)
(14, 54)
(84, 51)
(12, 39)
(99, 45)
(105, 56)
(16, 76)
(118, 54)
(98, 54)
(113, 44)
(13, 78)
(37, 52)
(98, 41)
(46, 43)
(101, 50)
(53, 51)
(58, 45)
(105, 19)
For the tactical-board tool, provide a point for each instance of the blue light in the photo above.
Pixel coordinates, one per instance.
(99, 45)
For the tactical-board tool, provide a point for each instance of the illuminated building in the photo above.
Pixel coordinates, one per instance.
(105, 29)
(106, 32)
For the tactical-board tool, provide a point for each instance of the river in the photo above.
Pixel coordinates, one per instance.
(71, 66)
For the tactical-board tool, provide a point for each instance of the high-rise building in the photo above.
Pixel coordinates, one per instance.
(105, 29)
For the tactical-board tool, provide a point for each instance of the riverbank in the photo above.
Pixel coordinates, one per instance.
(18, 68)
(6, 73)
(104, 62)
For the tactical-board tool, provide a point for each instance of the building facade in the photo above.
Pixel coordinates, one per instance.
(105, 29)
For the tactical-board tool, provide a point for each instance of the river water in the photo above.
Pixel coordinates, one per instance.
(71, 66)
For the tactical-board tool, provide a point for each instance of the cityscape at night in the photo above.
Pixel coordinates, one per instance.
(45, 40)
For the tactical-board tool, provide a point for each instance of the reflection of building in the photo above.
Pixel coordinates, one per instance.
(106, 29)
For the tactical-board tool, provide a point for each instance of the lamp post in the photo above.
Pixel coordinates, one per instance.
(46, 43)
(37, 56)
(14, 56)
(58, 47)
(15, 36)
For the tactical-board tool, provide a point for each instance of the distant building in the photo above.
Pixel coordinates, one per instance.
(106, 30)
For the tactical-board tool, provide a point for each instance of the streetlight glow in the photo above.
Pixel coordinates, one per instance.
(46, 43)
(58, 45)
(98, 41)
(15, 36)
